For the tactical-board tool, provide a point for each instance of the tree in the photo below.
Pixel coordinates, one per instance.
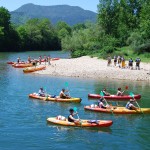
(8, 36)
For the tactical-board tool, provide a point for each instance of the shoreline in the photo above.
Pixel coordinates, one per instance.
(86, 67)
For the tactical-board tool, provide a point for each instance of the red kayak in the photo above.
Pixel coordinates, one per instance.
(115, 97)
(11, 62)
(22, 65)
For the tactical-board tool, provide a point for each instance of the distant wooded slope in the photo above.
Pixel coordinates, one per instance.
(70, 14)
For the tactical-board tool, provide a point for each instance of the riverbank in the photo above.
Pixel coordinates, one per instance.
(87, 67)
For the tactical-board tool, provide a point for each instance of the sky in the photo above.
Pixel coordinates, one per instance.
(12, 5)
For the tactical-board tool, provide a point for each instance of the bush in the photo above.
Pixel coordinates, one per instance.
(78, 53)
(143, 48)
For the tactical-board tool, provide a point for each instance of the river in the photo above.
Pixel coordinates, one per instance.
(23, 121)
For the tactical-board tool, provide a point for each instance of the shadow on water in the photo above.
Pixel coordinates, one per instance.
(73, 129)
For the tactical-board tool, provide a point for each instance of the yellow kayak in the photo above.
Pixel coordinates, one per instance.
(57, 99)
(118, 110)
(33, 69)
(82, 123)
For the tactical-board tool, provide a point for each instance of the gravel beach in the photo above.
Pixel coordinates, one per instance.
(87, 67)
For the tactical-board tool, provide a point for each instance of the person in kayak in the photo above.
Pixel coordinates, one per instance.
(105, 92)
(63, 95)
(41, 92)
(71, 118)
(119, 93)
(101, 104)
(130, 105)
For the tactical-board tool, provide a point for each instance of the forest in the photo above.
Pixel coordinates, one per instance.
(122, 28)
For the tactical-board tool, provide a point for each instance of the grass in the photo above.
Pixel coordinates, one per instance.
(127, 52)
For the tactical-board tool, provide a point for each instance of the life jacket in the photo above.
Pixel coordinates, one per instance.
(69, 119)
(127, 105)
(138, 60)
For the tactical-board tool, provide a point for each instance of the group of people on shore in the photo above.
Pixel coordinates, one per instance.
(119, 61)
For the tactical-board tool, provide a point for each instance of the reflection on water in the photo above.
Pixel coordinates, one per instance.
(72, 129)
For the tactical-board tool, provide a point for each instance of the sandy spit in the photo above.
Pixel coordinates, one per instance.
(87, 67)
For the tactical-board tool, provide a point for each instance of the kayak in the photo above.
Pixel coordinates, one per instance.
(33, 69)
(11, 62)
(115, 97)
(56, 99)
(118, 110)
(22, 65)
(82, 123)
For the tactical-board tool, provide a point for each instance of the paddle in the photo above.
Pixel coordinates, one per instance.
(75, 109)
(132, 95)
(66, 85)
(46, 95)
(102, 95)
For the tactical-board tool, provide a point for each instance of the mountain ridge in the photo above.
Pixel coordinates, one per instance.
(70, 14)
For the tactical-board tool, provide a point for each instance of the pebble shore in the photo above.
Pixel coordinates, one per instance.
(87, 67)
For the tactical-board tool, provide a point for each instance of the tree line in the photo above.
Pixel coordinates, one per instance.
(119, 23)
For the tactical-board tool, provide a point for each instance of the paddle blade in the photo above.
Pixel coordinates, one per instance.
(75, 108)
(101, 94)
(126, 87)
(131, 94)
(66, 84)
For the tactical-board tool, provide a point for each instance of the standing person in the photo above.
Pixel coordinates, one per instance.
(45, 59)
(119, 61)
(49, 59)
(130, 63)
(137, 66)
(109, 60)
(18, 60)
(123, 62)
(29, 59)
(115, 60)
(71, 118)
(119, 92)
(40, 60)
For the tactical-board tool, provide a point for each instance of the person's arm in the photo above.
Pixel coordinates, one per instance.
(134, 107)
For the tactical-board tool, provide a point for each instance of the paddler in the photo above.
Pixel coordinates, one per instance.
(105, 92)
(41, 92)
(119, 92)
(71, 118)
(130, 105)
(63, 95)
(101, 104)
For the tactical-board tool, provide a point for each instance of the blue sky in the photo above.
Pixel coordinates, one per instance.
(85, 4)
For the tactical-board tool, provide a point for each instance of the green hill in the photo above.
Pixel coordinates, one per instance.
(70, 14)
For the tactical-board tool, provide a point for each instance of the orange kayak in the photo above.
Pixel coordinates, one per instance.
(33, 69)
(22, 65)
(57, 99)
(118, 110)
(82, 123)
